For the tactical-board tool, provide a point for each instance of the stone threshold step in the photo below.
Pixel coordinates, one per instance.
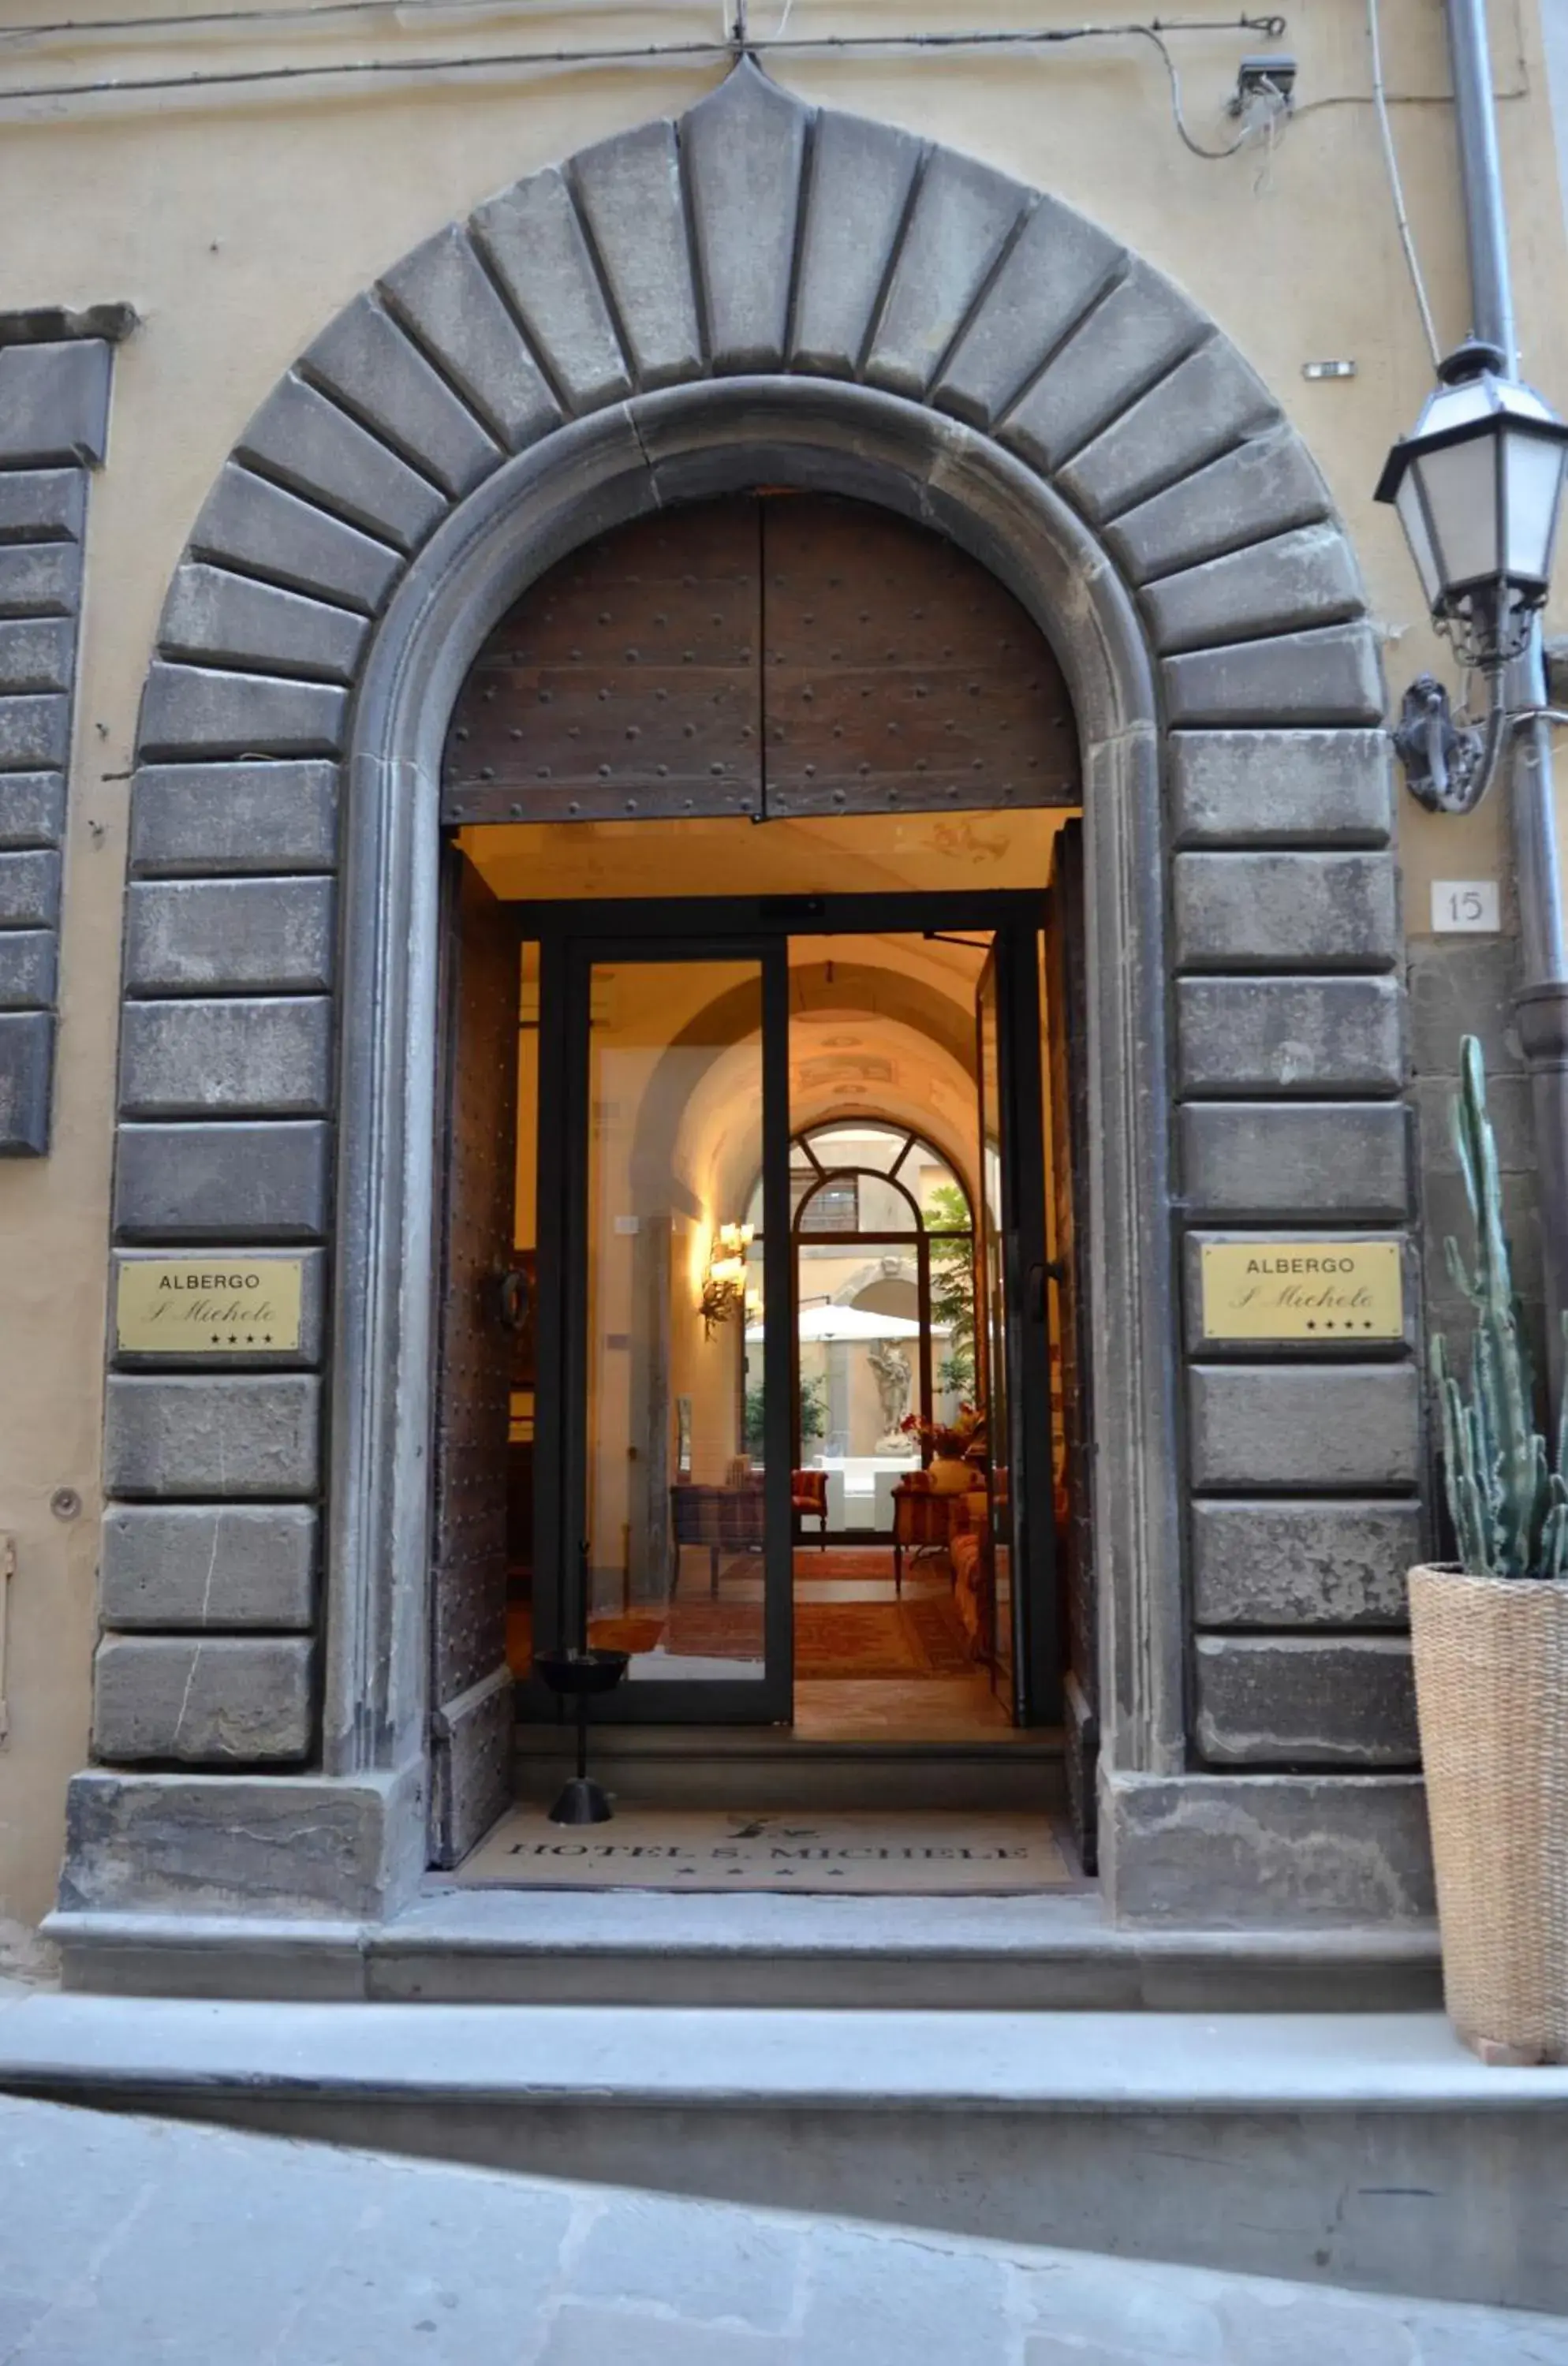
(495, 1946)
(1371, 2149)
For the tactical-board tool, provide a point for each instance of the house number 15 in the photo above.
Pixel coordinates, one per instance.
(1464, 908)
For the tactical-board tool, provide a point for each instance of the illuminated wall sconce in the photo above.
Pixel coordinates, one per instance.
(724, 1284)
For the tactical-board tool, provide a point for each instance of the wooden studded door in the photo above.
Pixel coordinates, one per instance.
(768, 655)
(470, 1682)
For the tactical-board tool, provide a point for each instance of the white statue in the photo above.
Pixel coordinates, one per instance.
(893, 1380)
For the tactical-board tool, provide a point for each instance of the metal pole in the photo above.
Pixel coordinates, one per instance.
(1541, 1000)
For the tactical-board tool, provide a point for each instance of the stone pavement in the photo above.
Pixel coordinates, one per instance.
(134, 2242)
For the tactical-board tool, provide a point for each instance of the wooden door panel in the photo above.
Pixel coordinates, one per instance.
(897, 674)
(778, 653)
(471, 1715)
(625, 682)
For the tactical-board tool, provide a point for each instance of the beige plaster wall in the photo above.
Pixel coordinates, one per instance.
(238, 220)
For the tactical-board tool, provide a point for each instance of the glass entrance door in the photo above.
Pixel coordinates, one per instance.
(673, 1531)
(713, 1348)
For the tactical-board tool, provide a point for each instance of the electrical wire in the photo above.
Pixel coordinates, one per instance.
(1272, 26)
(1210, 155)
(1380, 102)
(129, 85)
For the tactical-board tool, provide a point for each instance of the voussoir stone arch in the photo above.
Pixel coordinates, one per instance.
(907, 323)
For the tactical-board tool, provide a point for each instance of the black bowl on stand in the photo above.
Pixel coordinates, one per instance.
(580, 1676)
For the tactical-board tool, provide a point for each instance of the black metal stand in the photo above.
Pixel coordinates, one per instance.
(578, 1677)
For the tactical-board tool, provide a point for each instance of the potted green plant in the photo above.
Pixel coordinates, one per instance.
(1490, 1638)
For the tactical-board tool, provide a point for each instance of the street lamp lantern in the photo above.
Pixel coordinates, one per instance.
(1477, 489)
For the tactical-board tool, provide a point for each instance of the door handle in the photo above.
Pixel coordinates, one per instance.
(512, 1299)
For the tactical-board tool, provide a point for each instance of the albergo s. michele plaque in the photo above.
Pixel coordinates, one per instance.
(1303, 1289)
(210, 1306)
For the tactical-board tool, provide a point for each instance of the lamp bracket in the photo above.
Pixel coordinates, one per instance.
(1449, 767)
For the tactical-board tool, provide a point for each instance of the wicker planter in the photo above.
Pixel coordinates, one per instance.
(1492, 1694)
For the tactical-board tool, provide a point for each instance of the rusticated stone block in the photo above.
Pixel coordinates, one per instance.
(744, 146)
(1280, 788)
(190, 711)
(205, 1701)
(35, 733)
(1331, 1564)
(188, 820)
(533, 242)
(214, 616)
(43, 504)
(1270, 1160)
(1337, 1428)
(1228, 1851)
(209, 1567)
(28, 968)
(197, 1183)
(962, 214)
(258, 525)
(55, 403)
(1051, 275)
(44, 578)
(30, 888)
(1286, 584)
(26, 1068)
(1115, 354)
(252, 1434)
(376, 372)
(266, 1057)
(1210, 400)
(217, 936)
(1266, 486)
(278, 1843)
(253, 1352)
(1305, 1700)
(443, 292)
(1257, 911)
(1322, 1343)
(630, 189)
(37, 653)
(1289, 1035)
(1330, 676)
(320, 452)
(32, 809)
(862, 174)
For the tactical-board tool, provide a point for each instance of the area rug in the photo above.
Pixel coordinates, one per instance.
(849, 1854)
(858, 1640)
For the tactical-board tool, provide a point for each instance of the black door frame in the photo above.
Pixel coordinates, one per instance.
(572, 936)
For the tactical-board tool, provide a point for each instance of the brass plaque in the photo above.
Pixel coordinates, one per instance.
(210, 1306)
(1303, 1289)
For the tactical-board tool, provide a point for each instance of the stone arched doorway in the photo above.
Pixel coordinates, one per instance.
(761, 293)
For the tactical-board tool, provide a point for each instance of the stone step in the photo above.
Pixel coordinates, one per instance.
(1052, 1952)
(762, 1768)
(1365, 2150)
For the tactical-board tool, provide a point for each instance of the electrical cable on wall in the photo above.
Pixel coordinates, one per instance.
(1380, 102)
(1270, 28)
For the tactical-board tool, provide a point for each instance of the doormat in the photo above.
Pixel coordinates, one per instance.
(847, 1854)
(859, 1641)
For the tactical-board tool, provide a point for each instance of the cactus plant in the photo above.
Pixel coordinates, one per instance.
(1509, 1504)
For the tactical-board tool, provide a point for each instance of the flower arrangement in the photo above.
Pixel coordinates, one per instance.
(949, 1441)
